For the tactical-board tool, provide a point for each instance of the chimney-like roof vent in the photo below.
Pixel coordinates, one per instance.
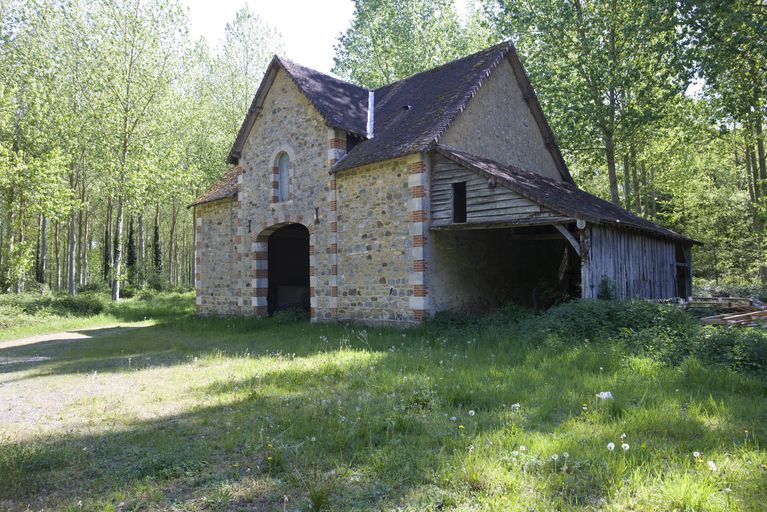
(371, 110)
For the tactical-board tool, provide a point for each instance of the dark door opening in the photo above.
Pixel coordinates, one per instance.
(288, 269)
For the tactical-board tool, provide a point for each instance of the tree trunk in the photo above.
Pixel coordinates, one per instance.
(611, 173)
(760, 153)
(80, 248)
(37, 246)
(635, 182)
(84, 263)
(57, 235)
(172, 260)
(118, 250)
(43, 247)
(156, 248)
(141, 251)
(627, 181)
(750, 177)
(72, 252)
(108, 252)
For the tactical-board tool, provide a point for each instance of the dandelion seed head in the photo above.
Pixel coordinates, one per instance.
(611, 446)
(554, 457)
(711, 465)
(696, 455)
(472, 413)
(625, 447)
(522, 448)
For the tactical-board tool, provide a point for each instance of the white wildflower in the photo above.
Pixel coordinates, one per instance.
(625, 447)
(522, 448)
(611, 446)
(696, 455)
(515, 407)
(623, 435)
(453, 418)
(565, 455)
(472, 413)
(555, 457)
(711, 465)
(604, 395)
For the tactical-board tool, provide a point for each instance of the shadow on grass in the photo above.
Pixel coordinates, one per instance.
(374, 427)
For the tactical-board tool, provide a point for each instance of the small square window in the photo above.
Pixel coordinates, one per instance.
(459, 202)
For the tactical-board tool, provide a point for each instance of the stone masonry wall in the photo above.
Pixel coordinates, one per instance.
(215, 257)
(288, 123)
(499, 125)
(375, 258)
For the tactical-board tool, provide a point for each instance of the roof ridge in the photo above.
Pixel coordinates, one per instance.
(488, 50)
(282, 60)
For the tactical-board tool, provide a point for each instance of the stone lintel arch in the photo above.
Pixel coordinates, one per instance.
(260, 259)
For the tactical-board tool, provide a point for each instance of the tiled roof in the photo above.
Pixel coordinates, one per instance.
(224, 188)
(409, 115)
(561, 197)
(414, 112)
(343, 105)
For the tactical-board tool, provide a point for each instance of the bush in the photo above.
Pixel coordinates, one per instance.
(739, 348)
(85, 304)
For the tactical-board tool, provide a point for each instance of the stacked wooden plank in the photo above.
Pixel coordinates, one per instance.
(731, 311)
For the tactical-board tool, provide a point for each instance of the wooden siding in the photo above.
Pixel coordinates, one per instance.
(634, 265)
(483, 204)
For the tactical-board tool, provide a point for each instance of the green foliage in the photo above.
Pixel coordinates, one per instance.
(389, 40)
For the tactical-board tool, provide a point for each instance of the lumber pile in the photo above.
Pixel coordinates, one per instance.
(731, 311)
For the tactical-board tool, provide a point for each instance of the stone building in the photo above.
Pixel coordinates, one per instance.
(445, 190)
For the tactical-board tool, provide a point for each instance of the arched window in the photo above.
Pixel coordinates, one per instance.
(283, 180)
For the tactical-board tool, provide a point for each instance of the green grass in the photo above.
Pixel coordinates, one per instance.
(238, 414)
(31, 314)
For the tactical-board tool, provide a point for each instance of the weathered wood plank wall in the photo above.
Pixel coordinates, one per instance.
(483, 204)
(634, 265)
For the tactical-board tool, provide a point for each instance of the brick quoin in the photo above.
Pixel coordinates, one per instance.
(262, 273)
(419, 265)
(262, 292)
(337, 144)
(419, 290)
(416, 168)
(262, 255)
(418, 216)
(418, 240)
(334, 227)
(311, 250)
(333, 205)
(334, 291)
(417, 191)
(419, 315)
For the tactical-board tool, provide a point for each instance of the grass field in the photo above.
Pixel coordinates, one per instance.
(216, 414)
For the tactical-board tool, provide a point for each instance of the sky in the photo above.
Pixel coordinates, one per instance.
(309, 28)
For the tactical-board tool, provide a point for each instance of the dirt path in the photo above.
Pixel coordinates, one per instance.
(73, 335)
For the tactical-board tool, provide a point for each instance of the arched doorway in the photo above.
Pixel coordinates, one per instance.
(288, 274)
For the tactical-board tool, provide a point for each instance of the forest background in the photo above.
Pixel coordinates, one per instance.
(112, 119)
